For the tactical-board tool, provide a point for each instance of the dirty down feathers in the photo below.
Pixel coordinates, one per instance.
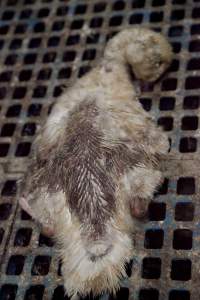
(96, 163)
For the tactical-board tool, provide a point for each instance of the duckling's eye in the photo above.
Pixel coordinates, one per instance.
(159, 63)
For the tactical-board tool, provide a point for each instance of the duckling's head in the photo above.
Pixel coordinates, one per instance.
(149, 56)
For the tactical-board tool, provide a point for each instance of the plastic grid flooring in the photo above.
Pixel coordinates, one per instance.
(44, 46)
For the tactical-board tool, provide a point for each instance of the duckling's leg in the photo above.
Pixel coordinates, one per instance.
(144, 188)
(43, 206)
(26, 207)
(137, 187)
(46, 230)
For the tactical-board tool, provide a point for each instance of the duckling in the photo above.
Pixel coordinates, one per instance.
(96, 162)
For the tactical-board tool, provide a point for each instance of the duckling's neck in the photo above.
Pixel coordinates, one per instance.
(116, 78)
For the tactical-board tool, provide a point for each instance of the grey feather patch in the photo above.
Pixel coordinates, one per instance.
(90, 191)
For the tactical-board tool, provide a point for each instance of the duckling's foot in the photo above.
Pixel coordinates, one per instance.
(75, 297)
(139, 208)
(46, 230)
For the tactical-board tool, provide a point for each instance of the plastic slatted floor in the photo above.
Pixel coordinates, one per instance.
(46, 44)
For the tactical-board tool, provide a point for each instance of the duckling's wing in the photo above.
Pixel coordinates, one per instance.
(133, 159)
